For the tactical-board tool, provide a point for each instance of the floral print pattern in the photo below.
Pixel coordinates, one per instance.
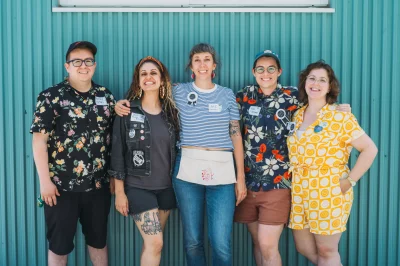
(264, 134)
(79, 135)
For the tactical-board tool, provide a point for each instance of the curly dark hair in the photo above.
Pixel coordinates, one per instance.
(334, 87)
(168, 104)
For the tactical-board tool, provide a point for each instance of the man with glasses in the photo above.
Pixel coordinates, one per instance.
(71, 138)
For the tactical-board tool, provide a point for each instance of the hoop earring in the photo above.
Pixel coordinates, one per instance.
(139, 95)
(162, 92)
(192, 76)
(213, 74)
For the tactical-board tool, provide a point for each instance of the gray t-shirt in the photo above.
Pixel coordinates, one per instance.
(160, 157)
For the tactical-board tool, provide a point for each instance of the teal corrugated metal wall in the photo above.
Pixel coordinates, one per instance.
(361, 40)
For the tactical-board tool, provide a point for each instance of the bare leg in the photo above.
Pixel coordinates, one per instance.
(56, 260)
(164, 214)
(305, 244)
(150, 227)
(328, 249)
(253, 229)
(98, 256)
(268, 239)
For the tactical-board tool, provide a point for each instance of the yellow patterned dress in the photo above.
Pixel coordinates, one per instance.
(318, 160)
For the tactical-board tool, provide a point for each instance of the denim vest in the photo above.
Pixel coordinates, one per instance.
(136, 144)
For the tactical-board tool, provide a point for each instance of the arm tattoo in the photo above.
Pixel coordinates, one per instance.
(137, 217)
(149, 226)
(234, 128)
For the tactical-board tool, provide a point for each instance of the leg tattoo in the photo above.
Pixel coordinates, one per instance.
(137, 217)
(151, 227)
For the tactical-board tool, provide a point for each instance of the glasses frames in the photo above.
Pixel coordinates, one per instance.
(313, 79)
(261, 69)
(78, 62)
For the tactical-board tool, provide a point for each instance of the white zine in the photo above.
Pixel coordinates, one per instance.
(214, 108)
(137, 118)
(254, 110)
(101, 101)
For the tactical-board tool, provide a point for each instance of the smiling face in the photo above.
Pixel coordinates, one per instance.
(202, 65)
(149, 77)
(82, 73)
(266, 80)
(317, 84)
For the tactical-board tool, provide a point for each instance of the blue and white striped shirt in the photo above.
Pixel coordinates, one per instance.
(205, 121)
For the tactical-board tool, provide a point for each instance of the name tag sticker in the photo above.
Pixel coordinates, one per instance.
(101, 101)
(254, 110)
(214, 107)
(137, 118)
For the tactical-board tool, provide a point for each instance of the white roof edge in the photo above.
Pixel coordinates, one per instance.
(194, 9)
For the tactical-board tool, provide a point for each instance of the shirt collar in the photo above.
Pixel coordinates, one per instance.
(326, 108)
(92, 90)
(136, 103)
(262, 95)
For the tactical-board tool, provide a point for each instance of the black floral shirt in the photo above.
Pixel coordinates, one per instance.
(79, 131)
(266, 122)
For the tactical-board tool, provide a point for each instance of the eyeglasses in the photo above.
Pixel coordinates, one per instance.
(312, 80)
(261, 69)
(78, 62)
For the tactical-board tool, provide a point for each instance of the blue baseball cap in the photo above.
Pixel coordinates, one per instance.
(267, 53)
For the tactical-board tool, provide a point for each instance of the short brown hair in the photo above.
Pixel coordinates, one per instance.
(202, 48)
(334, 87)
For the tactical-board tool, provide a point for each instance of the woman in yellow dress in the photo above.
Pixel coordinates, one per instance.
(319, 151)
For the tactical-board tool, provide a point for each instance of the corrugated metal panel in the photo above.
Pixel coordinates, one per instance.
(361, 40)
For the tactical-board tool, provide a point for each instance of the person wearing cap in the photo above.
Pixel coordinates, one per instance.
(71, 143)
(266, 110)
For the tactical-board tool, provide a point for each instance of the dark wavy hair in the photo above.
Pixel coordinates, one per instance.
(203, 48)
(334, 87)
(168, 104)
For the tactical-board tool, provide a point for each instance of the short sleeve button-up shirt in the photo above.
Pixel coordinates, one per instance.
(79, 131)
(266, 120)
(326, 142)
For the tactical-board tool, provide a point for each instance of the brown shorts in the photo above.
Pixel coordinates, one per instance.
(267, 207)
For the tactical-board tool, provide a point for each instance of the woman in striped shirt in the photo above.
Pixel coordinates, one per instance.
(205, 171)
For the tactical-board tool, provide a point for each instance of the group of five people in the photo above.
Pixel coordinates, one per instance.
(268, 153)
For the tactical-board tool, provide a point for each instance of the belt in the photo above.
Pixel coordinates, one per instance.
(302, 169)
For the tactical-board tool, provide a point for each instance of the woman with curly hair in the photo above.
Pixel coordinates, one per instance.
(143, 155)
(205, 180)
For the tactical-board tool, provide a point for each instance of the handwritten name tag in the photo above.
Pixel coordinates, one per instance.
(101, 101)
(137, 118)
(254, 110)
(214, 108)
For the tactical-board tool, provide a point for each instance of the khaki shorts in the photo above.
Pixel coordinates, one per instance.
(270, 207)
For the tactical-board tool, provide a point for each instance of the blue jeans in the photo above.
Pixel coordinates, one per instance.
(220, 202)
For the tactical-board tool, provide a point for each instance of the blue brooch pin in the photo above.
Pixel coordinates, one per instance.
(320, 127)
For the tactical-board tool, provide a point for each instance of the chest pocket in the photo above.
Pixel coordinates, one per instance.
(135, 132)
(103, 115)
